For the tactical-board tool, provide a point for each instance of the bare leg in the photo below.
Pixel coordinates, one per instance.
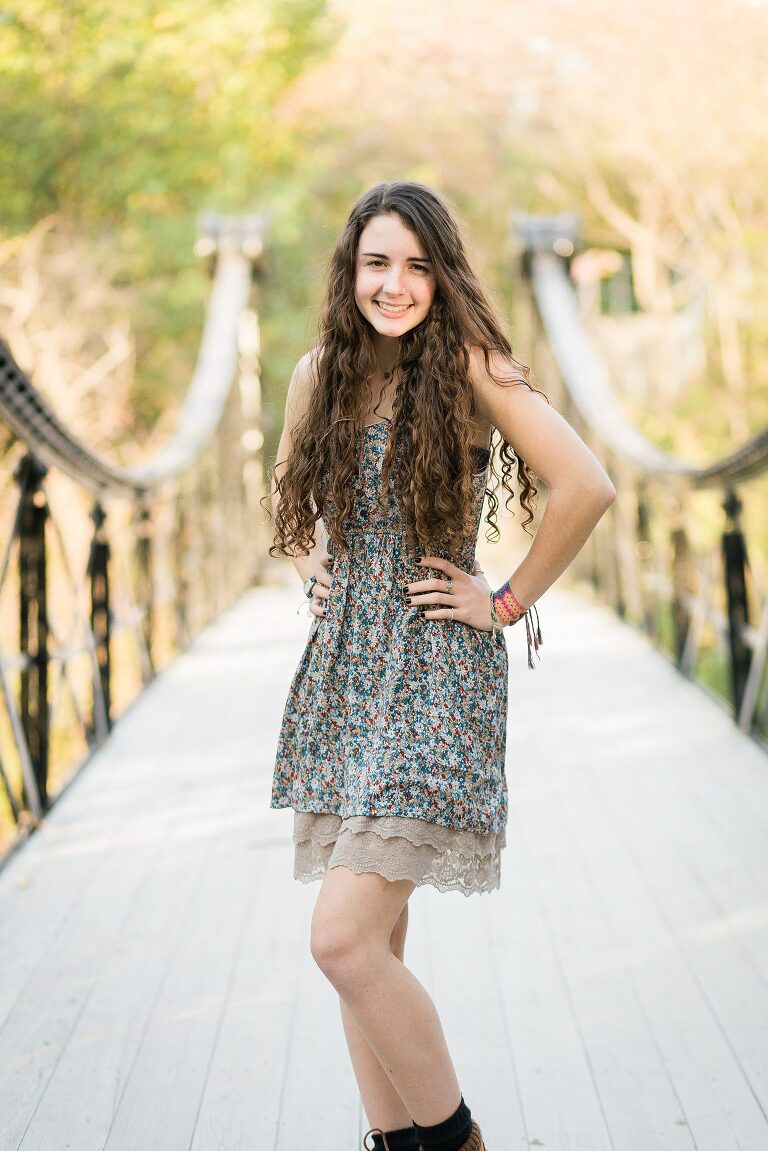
(383, 1105)
(352, 923)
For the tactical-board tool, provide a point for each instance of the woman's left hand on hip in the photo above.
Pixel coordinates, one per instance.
(456, 594)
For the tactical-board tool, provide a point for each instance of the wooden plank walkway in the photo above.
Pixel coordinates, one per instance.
(156, 987)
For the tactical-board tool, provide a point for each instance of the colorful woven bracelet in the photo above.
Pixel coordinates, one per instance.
(505, 608)
(496, 623)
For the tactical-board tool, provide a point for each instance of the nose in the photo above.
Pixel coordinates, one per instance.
(393, 281)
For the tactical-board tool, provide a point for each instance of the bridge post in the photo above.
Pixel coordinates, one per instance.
(101, 621)
(145, 595)
(205, 542)
(644, 553)
(734, 570)
(681, 589)
(180, 553)
(33, 621)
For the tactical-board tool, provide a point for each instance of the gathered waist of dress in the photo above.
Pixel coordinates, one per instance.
(361, 536)
(357, 534)
(375, 529)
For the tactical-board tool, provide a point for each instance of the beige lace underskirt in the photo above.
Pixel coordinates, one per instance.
(397, 848)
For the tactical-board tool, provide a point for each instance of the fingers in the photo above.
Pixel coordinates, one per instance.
(439, 563)
(320, 592)
(441, 613)
(319, 597)
(426, 585)
(441, 597)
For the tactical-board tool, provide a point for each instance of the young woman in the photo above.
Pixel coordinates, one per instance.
(391, 749)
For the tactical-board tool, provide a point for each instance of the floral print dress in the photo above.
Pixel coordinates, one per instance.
(392, 742)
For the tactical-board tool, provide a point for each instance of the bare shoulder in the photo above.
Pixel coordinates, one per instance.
(499, 369)
(302, 375)
(303, 379)
(537, 433)
(492, 381)
(501, 387)
(302, 382)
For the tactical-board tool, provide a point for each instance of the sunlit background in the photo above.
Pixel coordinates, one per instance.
(121, 124)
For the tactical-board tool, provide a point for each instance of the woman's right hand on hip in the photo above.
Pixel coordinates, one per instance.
(322, 588)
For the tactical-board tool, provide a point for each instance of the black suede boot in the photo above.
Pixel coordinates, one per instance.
(404, 1139)
(456, 1133)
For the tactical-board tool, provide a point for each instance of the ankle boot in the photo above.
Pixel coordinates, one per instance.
(375, 1131)
(473, 1143)
(403, 1139)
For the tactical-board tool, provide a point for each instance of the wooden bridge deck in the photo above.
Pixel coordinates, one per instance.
(156, 986)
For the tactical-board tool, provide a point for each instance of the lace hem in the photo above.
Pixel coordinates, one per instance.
(396, 847)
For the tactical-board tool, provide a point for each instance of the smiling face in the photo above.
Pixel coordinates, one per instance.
(394, 280)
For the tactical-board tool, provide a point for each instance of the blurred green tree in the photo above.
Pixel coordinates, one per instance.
(128, 120)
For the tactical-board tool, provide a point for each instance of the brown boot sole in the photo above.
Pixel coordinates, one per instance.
(475, 1141)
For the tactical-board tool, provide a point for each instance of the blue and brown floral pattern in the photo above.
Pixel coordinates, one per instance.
(390, 713)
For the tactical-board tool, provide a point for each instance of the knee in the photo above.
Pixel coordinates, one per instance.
(338, 949)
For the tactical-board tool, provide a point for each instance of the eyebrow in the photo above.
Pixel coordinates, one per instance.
(416, 259)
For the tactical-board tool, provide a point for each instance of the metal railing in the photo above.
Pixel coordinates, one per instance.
(173, 541)
(641, 557)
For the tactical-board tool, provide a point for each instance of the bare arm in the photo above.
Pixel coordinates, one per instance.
(580, 490)
(297, 400)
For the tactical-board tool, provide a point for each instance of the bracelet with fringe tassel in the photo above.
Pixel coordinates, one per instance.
(514, 611)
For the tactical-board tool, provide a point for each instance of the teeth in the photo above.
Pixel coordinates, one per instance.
(396, 309)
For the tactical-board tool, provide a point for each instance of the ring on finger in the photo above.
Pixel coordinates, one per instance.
(453, 609)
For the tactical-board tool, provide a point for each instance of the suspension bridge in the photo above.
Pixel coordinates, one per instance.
(156, 985)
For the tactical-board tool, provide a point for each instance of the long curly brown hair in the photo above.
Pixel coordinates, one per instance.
(428, 455)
